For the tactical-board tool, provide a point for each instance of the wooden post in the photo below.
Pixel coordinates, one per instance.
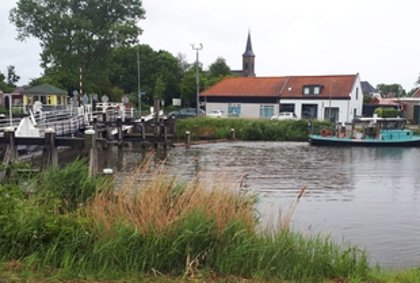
(165, 132)
(49, 154)
(11, 150)
(143, 130)
(90, 145)
(232, 134)
(157, 110)
(120, 131)
(187, 139)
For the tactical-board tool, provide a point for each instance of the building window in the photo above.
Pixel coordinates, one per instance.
(357, 93)
(331, 114)
(312, 89)
(354, 112)
(309, 111)
(287, 107)
(266, 111)
(234, 110)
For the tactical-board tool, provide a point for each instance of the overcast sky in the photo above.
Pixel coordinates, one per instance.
(376, 38)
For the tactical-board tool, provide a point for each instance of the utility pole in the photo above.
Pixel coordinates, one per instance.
(197, 48)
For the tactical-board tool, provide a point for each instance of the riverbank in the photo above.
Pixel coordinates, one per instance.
(65, 226)
(204, 128)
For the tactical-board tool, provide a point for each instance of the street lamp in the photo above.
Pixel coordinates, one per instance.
(197, 48)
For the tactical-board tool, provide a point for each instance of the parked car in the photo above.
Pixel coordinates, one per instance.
(216, 114)
(284, 116)
(185, 113)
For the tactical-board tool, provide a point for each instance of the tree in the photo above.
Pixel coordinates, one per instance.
(188, 85)
(8, 84)
(159, 89)
(152, 66)
(12, 78)
(77, 36)
(217, 71)
(391, 89)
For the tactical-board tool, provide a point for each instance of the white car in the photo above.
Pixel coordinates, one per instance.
(284, 116)
(216, 114)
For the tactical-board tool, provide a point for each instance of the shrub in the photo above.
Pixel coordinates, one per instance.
(387, 112)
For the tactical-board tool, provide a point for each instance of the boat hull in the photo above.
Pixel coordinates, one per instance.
(335, 141)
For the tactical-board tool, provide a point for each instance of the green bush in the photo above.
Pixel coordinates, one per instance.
(71, 185)
(387, 112)
(247, 129)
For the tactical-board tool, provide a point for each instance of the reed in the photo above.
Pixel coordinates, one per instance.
(159, 228)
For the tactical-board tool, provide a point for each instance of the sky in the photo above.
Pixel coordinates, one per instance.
(376, 38)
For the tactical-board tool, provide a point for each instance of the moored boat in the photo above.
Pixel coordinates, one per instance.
(368, 132)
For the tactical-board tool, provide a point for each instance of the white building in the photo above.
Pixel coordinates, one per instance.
(337, 98)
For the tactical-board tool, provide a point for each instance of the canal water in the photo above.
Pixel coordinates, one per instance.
(369, 197)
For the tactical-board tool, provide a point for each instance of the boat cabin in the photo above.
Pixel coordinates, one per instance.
(379, 128)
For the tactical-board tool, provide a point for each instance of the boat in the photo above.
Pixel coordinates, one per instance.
(372, 131)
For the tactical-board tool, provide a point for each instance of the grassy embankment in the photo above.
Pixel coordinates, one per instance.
(247, 129)
(65, 226)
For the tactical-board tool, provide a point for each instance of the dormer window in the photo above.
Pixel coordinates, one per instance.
(312, 89)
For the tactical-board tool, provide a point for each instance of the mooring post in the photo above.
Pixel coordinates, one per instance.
(11, 150)
(232, 133)
(120, 131)
(49, 154)
(143, 130)
(165, 132)
(90, 145)
(187, 139)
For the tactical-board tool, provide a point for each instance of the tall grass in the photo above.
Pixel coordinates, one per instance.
(158, 227)
(247, 129)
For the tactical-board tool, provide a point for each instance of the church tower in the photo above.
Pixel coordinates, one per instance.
(248, 59)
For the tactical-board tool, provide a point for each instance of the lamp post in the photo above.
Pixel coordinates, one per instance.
(197, 48)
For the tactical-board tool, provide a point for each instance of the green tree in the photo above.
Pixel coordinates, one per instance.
(77, 36)
(217, 71)
(12, 78)
(8, 84)
(188, 85)
(159, 89)
(391, 89)
(152, 65)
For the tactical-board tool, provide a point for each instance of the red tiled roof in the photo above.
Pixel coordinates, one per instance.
(416, 93)
(336, 86)
(247, 86)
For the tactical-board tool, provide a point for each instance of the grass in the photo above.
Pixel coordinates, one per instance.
(72, 227)
(247, 129)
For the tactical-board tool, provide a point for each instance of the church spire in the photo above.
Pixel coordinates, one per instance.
(248, 59)
(248, 49)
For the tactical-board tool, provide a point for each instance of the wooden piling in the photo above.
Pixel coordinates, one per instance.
(232, 134)
(187, 139)
(90, 145)
(119, 128)
(11, 150)
(49, 154)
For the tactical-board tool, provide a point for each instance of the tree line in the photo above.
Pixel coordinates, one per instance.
(96, 41)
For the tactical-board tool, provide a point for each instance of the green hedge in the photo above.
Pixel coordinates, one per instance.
(247, 129)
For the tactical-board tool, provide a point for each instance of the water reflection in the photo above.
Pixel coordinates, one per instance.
(367, 196)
